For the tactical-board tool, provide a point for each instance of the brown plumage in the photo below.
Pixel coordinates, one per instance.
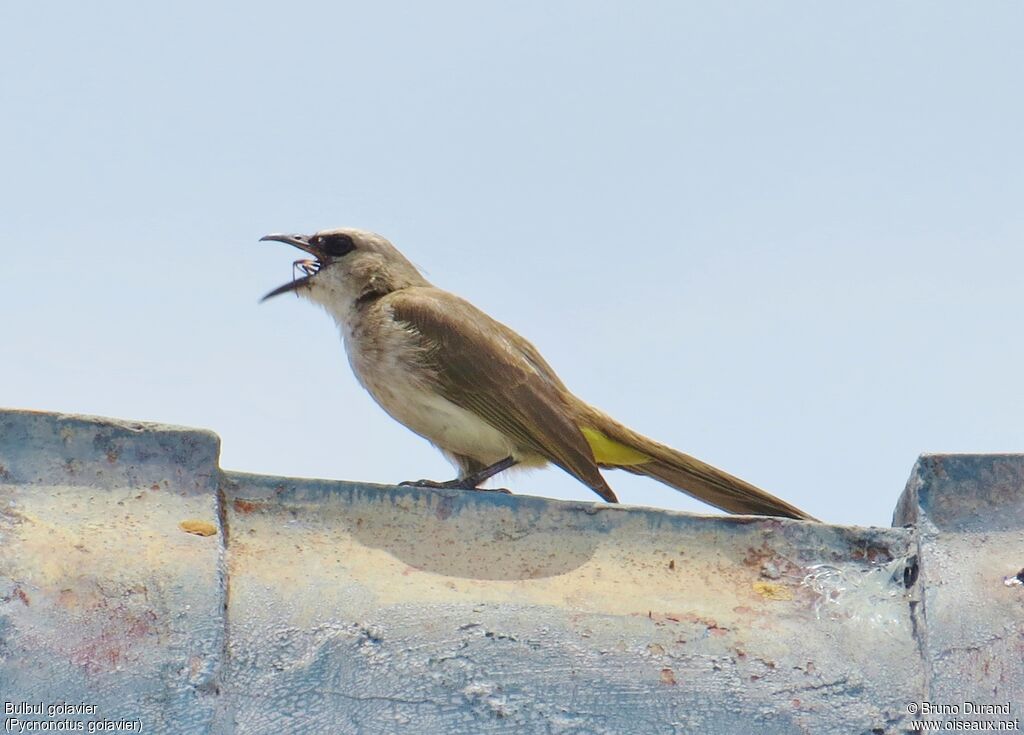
(515, 390)
(476, 389)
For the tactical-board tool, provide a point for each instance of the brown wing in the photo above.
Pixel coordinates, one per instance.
(484, 367)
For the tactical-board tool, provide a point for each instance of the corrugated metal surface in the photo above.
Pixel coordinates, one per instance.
(968, 511)
(333, 607)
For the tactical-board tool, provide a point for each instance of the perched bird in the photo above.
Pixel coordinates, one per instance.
(474, 388)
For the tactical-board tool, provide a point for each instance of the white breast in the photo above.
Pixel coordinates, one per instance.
(382, 359)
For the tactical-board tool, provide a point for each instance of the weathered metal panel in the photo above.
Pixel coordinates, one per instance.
(341, 608)
(104, 600)
(396, 610)
(968, 511)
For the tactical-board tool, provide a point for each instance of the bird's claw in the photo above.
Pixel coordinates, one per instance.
(430, 483)
(453, 485)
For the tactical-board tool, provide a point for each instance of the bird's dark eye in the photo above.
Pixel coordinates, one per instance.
(336, 245)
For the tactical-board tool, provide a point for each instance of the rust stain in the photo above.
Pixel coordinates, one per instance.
(245, 506)
(668, 677)
(755, 557)
(765, 557)
(713, 628)
(671, 563)
(23, 596)
(873, 554)
(112, 455)
(198, 528)
(154, 487)
(661, 618)
(115, 642)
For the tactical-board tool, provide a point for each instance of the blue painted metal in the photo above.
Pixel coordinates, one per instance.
(104, 600)
(968, 511)
(334, 607)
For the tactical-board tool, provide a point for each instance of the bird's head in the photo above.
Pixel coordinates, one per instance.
(348, 267)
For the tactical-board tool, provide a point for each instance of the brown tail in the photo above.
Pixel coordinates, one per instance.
(636, 453)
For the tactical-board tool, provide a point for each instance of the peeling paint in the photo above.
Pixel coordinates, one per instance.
(348, 608)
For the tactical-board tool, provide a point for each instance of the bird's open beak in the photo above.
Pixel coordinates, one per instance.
(309, 266)
(299, 241)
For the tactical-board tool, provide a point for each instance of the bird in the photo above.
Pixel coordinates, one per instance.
(473, 387)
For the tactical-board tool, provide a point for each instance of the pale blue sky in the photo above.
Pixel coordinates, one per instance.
(785, 237)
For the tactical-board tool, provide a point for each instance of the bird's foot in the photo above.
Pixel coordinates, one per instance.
(456, 484)
(448, 484)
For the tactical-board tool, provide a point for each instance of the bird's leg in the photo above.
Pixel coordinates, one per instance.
(470, 481)
(473, 480)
